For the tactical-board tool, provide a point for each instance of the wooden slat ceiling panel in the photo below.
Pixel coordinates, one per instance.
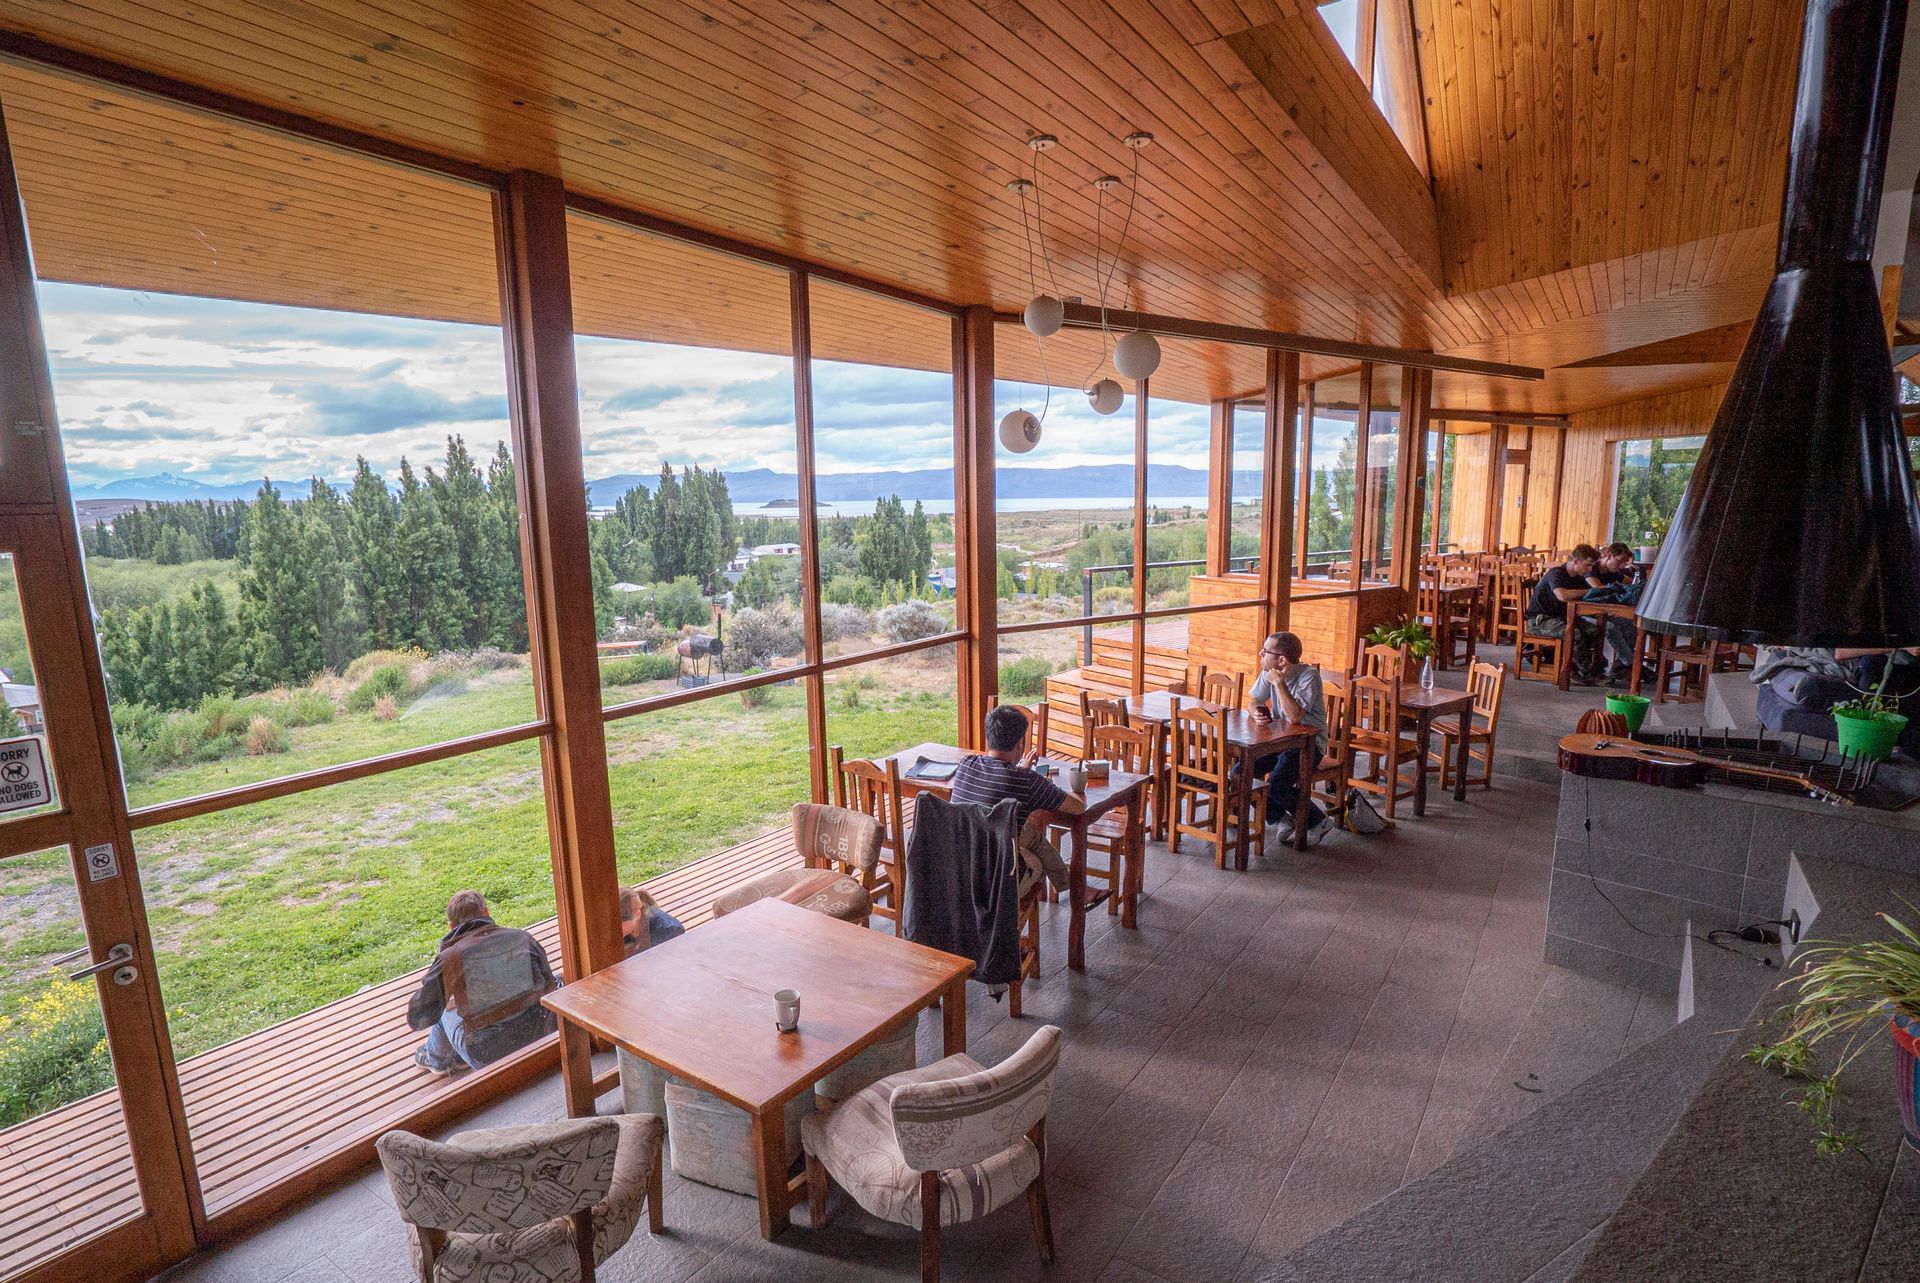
(1606, 173)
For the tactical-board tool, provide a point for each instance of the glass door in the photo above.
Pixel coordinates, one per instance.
(91, 1182)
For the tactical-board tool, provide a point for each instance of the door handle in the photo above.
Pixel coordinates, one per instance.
(119, 960)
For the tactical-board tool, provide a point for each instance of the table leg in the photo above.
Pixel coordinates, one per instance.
(576, 1068)
(953, 1017)
(1639, 656)
(1564, 669)
(1472, 651)
(770, 1168)
(1303, 797)
(1243, 804)
(1460, 763)
(1136, 840)
(1421, 744)
(1077, 896)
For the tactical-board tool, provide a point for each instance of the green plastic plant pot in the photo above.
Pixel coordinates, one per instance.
(1631, 707)
(1872, 736)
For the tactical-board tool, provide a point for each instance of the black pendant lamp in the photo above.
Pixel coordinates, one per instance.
(1799, 526)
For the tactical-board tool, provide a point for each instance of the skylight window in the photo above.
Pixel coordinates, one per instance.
(1377, 38)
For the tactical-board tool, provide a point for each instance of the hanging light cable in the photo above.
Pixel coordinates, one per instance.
(1103, 394)
(1137, 355)
(1044, 313)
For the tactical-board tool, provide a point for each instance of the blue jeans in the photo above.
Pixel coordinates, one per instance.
(1283, 787)
(446, 1047)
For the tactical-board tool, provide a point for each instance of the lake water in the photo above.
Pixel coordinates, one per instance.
(864, 508)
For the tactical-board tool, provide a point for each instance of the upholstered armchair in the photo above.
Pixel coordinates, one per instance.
(840, 850)
(942, 1144)
(537, 1204)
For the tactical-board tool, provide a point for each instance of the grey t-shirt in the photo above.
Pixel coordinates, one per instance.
(1303, 683)
(1771, 661)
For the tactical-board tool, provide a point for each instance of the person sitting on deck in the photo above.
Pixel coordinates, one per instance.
(1290, 689)
(480, 1000)
(999, 773)
(1547, 612)
(1799, 686)
(643, 923)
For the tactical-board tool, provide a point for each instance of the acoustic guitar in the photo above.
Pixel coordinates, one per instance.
(1607, 757)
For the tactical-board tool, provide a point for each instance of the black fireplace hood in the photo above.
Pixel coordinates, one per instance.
(1799, 526)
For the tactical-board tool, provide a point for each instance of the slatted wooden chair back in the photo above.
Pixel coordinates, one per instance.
(1459, 574)
(1487, 683)
(1374, 710)
(1339, 722)
(1102, 712)
(1133, 749)
(1427, 599)
(873, 790)
(1225, 688)
(1384, 661)
(1036, 740)
(1200, 745)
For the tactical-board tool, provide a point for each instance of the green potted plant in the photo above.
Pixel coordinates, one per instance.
(1870, 724)
(1845, 991)
(1409, 634)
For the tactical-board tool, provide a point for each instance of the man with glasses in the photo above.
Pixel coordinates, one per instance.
(1290, 689)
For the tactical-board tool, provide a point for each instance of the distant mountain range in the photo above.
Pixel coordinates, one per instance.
(753, 487)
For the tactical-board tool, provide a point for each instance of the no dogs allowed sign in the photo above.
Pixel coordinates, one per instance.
(23, 775)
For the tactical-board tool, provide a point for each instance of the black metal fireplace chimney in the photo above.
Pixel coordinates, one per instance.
(1799, 525)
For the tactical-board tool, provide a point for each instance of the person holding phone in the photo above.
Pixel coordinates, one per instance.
(1289, 689)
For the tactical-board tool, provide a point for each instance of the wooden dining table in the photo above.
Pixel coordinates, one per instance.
(700, 1007)
(1603, 611)
(1426, 707)
(1249, 738)
(1120, 791)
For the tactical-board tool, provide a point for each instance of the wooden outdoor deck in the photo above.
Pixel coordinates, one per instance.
(274, 1102)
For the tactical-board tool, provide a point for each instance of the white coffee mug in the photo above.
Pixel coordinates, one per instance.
(1077, 779)
(786, 1011)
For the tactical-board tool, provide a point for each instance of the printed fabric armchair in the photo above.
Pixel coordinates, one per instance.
(544, 1203)
(942, 1144)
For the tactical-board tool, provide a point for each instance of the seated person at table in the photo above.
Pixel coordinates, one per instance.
(1547, 612)
(1614, 567)
(1289, 688)
(985, 779)
(480, 1000)
(1799, 686)
(643, 923)
(1616, 579)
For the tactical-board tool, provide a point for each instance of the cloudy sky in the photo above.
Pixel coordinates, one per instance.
(226, 392)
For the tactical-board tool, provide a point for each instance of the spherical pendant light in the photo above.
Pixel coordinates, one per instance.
(1136, 355)
(1019, 431)
(1045, 315)
(1106, 396)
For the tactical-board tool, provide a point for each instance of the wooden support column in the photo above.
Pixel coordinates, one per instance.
(544, 400)
(1219, 548)
(1302, 527)
(1137, 664)
(1439, 482)
(975, 548)
(1408, 495)
(1277, 493)
(1362, 486)
(814, 685)
(1559, 478)
(1496, 483)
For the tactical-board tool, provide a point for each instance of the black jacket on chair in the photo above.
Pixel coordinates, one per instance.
(963, 890)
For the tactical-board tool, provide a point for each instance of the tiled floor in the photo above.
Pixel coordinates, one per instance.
(1268, 1053)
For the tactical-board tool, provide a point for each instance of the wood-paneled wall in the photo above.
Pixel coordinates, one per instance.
(1466, 525)
(1587, 482)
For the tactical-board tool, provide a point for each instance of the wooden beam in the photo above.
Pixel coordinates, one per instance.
(1496, 482)
(1720, 344)
(800, 315)
(975, 546)
(1441, 415)
(1559, 478)
(1086, 317)
(1137, 662)
(1279, 449)
(1415, 386)
(544, 403)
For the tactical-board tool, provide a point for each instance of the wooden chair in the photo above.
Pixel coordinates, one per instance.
(1223, 688)
(1136, 750)
(1374, 729)
(1486, 683)
(1447, 622)
(1550, 655)
(873, 789)
(1687, 658)
(1036, 740)
(1202, 784)
(1389, 662)
(1512, 586)
(939, 1144)
(515, 1202)
(1335, 762)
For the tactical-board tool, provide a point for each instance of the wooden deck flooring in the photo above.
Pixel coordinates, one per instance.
(282, 1099)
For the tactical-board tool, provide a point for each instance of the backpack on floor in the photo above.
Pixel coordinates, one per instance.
(1360, 816)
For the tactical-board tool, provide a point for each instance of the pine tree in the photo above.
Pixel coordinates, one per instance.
(429, 567)
(326, 529)
(669, 546)
(507, 614)
(276, 597)
(920, 542)
(379, 586)
(217, 649)
(461, 496)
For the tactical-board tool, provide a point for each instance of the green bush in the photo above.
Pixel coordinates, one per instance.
(637, 668)
(388, 679)
(1025, 679)
(757, 696)
(53, 1049)
(304, 708)
(681, 603)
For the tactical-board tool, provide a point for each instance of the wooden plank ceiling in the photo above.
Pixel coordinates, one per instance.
(1605, 174)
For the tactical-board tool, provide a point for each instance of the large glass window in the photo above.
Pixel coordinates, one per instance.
(286, 439)
(1332, 496)
(693, 488)
(1652, 479)
(1247, 486)
(1383, 473)
(883, 464)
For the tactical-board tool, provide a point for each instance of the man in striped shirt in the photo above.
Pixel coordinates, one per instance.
(1000, 773)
